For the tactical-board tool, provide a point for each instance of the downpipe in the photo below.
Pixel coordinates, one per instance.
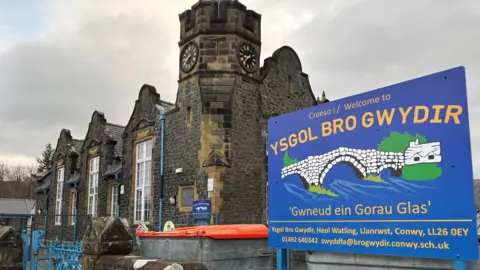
(163, 117)
(75, 214)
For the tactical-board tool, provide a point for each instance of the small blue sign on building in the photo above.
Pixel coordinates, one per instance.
(201, 211)
(385, 172)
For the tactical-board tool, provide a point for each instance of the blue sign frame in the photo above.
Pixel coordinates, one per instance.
(201, 210)
(385, 172)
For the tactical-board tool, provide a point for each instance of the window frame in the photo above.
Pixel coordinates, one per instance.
(114, 206)
(144, 161)
(181, 207)
(73, 201)
(93, 176)
(59, 198)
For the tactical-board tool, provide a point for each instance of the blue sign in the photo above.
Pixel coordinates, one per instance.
(201, 210)
(385, 172)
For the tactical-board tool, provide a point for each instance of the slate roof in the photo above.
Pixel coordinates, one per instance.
(43, 186)
(115, 132)
(43, 176)
(16, 206)
(112, 169)
(73, 179)
(77, 144)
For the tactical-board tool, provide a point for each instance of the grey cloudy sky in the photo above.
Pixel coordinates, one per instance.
(61, 60)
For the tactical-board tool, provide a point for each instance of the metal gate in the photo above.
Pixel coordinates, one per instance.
(49, 256)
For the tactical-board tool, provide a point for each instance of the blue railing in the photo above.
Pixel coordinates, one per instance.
(66, 256)
(60, 255)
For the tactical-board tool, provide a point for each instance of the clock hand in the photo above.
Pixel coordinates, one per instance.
(186, 59)
(246, 58)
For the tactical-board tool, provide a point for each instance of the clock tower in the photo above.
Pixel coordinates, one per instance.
(219, 36)
(219, 80)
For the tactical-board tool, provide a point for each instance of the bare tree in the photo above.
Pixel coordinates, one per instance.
(17, 173)
(4, 171)
(19, 182)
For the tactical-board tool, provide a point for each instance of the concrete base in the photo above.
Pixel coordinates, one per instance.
(342, 261)
(241, 254)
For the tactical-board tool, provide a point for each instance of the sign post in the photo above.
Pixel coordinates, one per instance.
(386, 172)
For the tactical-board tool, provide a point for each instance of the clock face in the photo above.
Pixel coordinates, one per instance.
(247, 56)
(189, 57)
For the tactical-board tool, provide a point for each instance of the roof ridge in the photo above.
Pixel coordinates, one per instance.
(116, 125)
(162, 100)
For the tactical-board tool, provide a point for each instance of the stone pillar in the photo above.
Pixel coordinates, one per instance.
(106, 236)
(11, 248)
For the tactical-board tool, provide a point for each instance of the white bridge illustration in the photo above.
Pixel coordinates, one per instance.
(364, 162)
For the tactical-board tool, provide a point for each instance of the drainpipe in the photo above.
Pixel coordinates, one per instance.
(117, 177)
(46, 216)
(163, 117)
(75, 214)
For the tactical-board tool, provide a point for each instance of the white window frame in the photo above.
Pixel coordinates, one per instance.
(114, 202)
(94, 169)
(59, 196)
(143, 182)
(74, 208)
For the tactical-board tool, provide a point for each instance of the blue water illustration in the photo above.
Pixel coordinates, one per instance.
(359, 189)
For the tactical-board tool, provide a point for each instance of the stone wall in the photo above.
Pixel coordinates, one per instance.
(243, 192)
(144, 124)
(99, 143)
(182, 146)
(61, 158)
(285, 88)
(41, 203)
(108, 242)
(11, 248)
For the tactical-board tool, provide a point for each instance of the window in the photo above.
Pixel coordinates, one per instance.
(93, 186)
(189, 115)
(143, 178)
(187, 197)
(289, 84)
(114, 210)
(59, 196)
(74, 207)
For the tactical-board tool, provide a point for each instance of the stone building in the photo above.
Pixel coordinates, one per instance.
(213, 142)
(55, 193)
(100, 152)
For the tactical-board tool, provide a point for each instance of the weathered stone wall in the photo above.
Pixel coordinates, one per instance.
(41, 203)
(144, 124)
(182, 146)
(285, 88)
(96, 143)
(11, 248)
(62, 157)
(108, 242)
(243, 190)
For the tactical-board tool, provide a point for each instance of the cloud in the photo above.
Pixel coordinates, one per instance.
(98, 60)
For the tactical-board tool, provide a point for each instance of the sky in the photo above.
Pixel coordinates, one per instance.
(61, 60)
